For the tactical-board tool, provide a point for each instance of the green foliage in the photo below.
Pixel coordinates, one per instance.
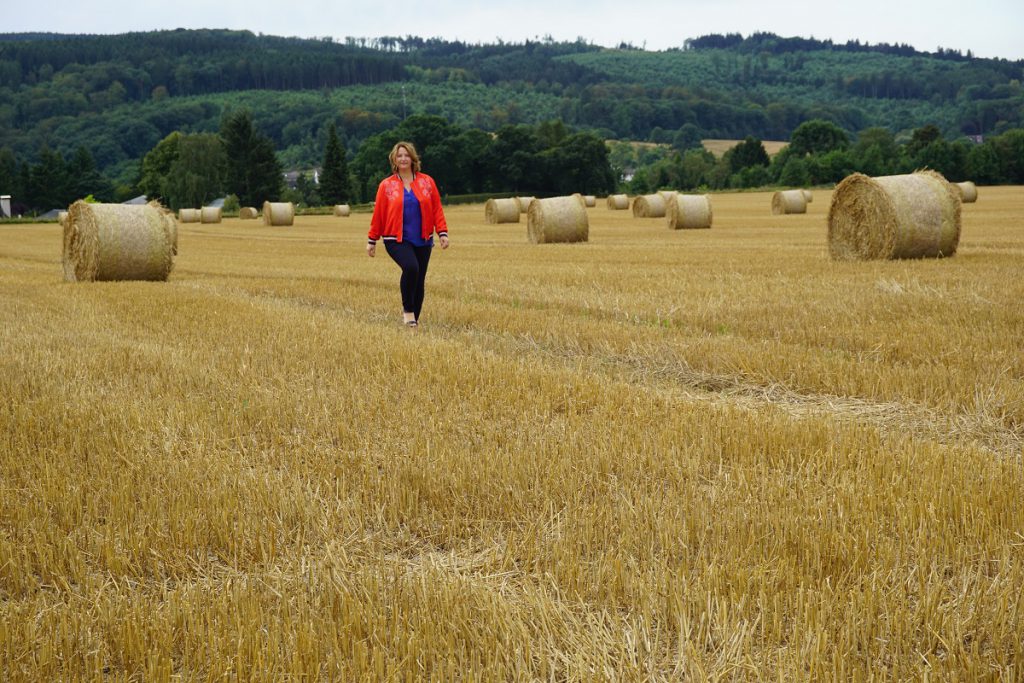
(817, 136)
(231, 204)
(253, 172)
(184, 170)
(748, 153)
(334, 180)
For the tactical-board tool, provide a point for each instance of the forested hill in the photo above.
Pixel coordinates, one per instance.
(120, 95)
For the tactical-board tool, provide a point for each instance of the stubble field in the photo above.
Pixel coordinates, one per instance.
(660, 455)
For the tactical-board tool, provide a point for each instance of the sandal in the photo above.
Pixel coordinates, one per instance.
(411, 323)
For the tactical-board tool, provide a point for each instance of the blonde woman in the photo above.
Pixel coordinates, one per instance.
(406, 213)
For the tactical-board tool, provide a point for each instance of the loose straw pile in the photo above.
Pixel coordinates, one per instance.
(789, 201)
(557, 219)
(617, 202)
(342, 210)
(247, 213)
(189, 215)
(902, 216)
(524, 203)
(278, 213)
(968, 191)
(118, 242)
(210, 214)
(649, 206)
(501, 211)
(689, 211)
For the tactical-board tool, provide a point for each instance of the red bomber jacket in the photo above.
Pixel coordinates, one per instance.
(387, 209)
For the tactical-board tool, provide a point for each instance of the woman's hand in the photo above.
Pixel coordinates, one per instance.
(444, 241)
(371, 249)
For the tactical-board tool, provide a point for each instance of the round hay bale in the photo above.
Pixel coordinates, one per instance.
(589, 200)
(557, 219)
(189, 215)
(62, 218)
(902, 216)
(617, 202)
(278, 213)
(968, 191)
(649, 206)
(169, 223)
(117, 242)
(342, 210)
(668, 195)
(524, 203)
(789, 201)
(210, 214)
(501, 211)
(247, 213)
(689, 211)
(808, 196)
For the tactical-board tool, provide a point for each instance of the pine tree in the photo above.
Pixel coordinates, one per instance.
(334, 181)
(253, 171)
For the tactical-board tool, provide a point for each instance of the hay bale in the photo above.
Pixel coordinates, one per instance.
(524, 203)
(617, 202)
(189, 215)
(689, 211)
(557, 219)
(278, 213)
(808, 196)
(668, 195)
(649, 206)
(62, 218)
(789, 201)
(117, 242)
(342, 210)
(968, 191)
(501, 211)
(248, 213)
(170, 224)
(210, 214)
(589, 200)
(901, 216)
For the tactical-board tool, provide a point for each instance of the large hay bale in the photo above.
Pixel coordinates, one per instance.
(968, 191)
(667, 195)
(118, 242)
(189, 215)
(170, 224)
(808, 196)
(557, 219)
(789, 201)
(210, 214)
(689, 211)
(901, 216)
(589, 200)
(617, 202)
(342, 210)
(524, 203)
(501, 211)
(649, 206)
(247, 213)
(278, 213)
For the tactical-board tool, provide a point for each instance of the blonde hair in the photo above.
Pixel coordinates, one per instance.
(393, 156)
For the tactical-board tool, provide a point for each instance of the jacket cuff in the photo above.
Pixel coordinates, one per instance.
(442, 233)
(371, 241)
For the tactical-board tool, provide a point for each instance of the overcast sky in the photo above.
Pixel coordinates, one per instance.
(989, 28)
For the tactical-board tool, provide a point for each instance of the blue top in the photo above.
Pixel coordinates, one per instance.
(412, 222)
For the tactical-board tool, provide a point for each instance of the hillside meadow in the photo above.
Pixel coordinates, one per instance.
(656, 456)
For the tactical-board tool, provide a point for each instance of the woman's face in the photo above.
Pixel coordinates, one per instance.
(402, 159)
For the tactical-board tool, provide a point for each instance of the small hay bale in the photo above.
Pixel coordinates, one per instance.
(62, 218)
(902, 216)
(189, 215)
(589, 200)
(278, 213)
(557, 219)
(210, 214)
(808, 196)
(524, 203)
(968, 191)
(342, 210)
(668, 195)
(118, 242)
(789, 201)
(649, 206)
(689, 211)
(248, 213)
(617, 202)
(501, 211)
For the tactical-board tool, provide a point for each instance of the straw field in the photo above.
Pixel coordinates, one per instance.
(653, 456)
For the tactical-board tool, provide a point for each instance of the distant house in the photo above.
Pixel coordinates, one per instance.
(977, 139)
(217, 203)
(141, 199)
(5, 206)
(291, 178)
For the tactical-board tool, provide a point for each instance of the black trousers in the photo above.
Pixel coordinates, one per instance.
(413, 261)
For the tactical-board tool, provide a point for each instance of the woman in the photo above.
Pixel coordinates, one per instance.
(406, 213)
